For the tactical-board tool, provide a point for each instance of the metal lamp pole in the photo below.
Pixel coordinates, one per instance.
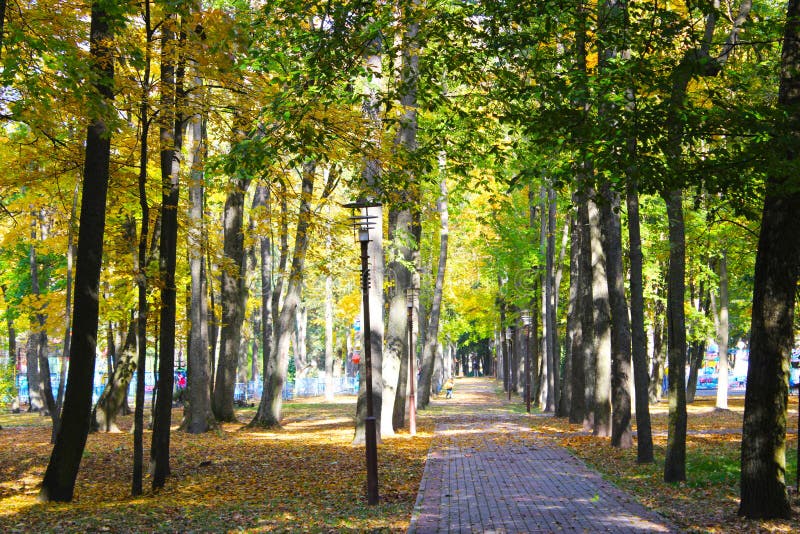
(412, 393)
(363, 224)
(525, 315)
(509, 334)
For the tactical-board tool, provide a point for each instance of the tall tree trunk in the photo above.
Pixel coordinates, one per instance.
(432, 331)
(401, 234)
(58, 483)
(396, 350)
(171, 134)
(554, 356)
(696, 62)
(675, 460)
(233, 300)
(602, 326)
(621, 433)
(659, 369)
(113, 400)
(261, 201)
(329, 355)
(140, 263)
(586, 298)
(576, 375)
(545, 394)
(269, 410)
(564, 381)
(763, 464)
(37, 349)
(12, 344)
(198, 417)
(644, 433)
(62, 368)
(720, 313)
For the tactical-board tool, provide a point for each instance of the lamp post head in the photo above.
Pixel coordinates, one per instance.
(525, 317)
(411, 294)
(362, 223)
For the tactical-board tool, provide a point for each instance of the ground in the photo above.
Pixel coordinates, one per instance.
(310, 477)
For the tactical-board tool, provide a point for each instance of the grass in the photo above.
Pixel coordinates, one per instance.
(708, 500)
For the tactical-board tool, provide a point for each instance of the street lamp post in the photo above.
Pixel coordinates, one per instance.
(525, 315)
(362, 224)
(509, 335)
(411, 292)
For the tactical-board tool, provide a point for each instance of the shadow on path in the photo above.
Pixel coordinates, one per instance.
(487, 471)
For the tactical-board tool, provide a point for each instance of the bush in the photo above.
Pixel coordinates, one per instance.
(7, 389)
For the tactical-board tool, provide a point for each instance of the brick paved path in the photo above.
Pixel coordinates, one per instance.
(486, 472)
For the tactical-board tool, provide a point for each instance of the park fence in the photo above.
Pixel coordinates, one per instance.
(244, 393)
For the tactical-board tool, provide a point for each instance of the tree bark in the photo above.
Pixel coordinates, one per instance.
(576, 376)
(675, 459)
(720, 313)
(171, 135)
(58, 483)
(763, 463)
(644, 433)
(621, 432)
(114, 398)
(197, 414)
(269, 410)
(432, 331)
(262, 201)
(602, 326)
(233, 300)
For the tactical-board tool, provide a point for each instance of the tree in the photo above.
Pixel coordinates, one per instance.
(233, 298)
(171, 135)
(269, 410)
(432, 330)
(763, 461)
(58, 483)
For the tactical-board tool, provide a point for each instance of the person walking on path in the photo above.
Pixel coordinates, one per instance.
(488, 471)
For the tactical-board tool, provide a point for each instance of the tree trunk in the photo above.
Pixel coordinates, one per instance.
(602, 327)
(545, 393)
(586, 299)
(644, 433)
(37, 349)
(675, 460)
(261, 201)
(171, 134)
(763, 463)
(720, 313)
(621, 432)
(396, 349)
(269, 410)
(564, 395)
(576, 375)
(114, 398)
(197, 414)
(62, 369)
(432, 332)
(233, 301)
(140, 264)
(58, 483)
(329, 355)
(659, 370)
(554, 352)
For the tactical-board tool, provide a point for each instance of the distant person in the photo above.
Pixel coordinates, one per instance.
(448, 388)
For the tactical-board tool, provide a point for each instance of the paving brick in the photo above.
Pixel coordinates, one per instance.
(475, 481)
